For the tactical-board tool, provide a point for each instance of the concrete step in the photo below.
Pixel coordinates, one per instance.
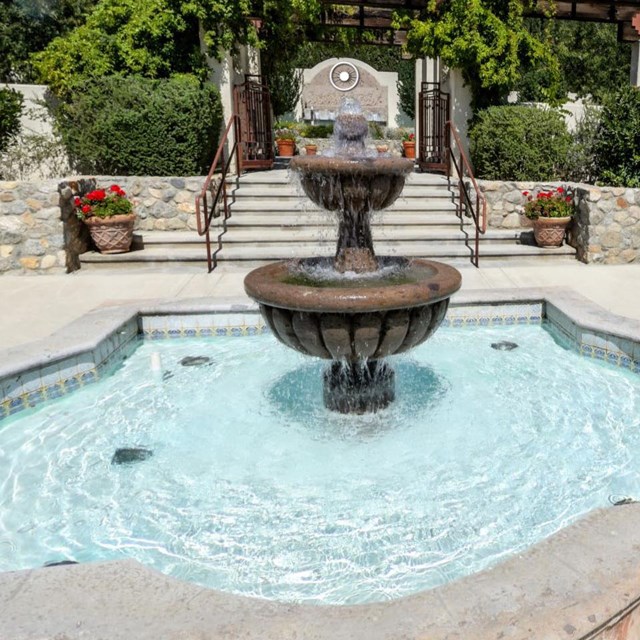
(284, 176)
(401, 204)
(328, 235)
(284, 250)
(457, 254)
(288, 192)
(324, 219)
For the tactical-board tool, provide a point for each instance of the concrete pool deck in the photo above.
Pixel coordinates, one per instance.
(33, 307)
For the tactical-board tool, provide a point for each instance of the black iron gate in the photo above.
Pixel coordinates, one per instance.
(252, 103)
(433, 115)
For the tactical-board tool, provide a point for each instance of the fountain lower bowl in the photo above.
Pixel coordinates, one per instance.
(349, 320)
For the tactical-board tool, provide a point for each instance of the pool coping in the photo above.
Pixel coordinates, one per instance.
(582, 582)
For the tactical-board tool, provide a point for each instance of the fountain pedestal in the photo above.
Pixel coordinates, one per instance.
(356, 308)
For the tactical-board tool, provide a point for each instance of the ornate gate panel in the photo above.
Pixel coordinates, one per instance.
(252, 103)
(433, 115)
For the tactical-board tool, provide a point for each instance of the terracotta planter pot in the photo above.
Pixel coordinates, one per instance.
(311, 149)
(112, 235)
(550, 232)
(286, 147)
(409, 149)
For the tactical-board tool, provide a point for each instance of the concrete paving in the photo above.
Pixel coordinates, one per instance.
(33, 307)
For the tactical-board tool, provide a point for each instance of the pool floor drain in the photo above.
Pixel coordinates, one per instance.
(195, 361)
(130, 455)
(504, 346)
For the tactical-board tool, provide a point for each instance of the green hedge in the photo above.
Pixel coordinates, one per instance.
(617, 146)
(519, 143)
(10, 110)
(137, 126)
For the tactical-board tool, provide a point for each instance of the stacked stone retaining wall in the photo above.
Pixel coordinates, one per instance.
(38, 232)
(606, 228)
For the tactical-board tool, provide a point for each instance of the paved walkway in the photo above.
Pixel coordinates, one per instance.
(33, 307)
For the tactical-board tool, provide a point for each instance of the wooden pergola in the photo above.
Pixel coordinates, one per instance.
(376, 15)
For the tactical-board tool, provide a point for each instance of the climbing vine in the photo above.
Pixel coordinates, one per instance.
(485, 39)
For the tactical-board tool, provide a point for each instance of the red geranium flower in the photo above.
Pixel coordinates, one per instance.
(77, 201)
(98, 194)
(86, 208)
(525, 193)
(568, 199)
(560, 190)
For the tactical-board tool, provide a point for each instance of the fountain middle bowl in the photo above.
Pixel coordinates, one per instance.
(353, 318)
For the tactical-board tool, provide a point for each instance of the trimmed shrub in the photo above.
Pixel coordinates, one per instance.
(519, 143)
(617, 147)
(137, 126)
(10, 110)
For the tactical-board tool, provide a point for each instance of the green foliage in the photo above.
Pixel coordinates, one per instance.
(519, 143)
(617, 148)
(486, 39)
(129, 37)
(10, 110)
(285, 87)
(136, 126)
(316, 130)
(27, 27)
(592, 61)
(581, 162)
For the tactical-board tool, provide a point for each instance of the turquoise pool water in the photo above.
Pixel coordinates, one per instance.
(256, 489)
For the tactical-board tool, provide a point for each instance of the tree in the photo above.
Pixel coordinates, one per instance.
(158, 38)
(592, 61)
(10, 110)
(27, 27)
(617, 147)
(486, 39)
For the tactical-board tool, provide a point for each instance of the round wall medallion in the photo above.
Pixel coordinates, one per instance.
(344, 76)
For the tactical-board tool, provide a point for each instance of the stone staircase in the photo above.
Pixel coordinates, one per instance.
(271, 219)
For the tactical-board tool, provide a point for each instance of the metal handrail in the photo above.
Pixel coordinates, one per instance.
(463, 170)
(205, 213)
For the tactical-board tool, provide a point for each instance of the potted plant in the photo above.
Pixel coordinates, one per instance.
(109, 215)
(409, 144)
(311, 149)
(551, 212)
(286, 142)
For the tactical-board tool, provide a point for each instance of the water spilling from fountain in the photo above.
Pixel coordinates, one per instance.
(356, 308)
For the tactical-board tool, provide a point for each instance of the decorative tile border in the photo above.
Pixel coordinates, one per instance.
(158, 327)
(57, 377)
(489, 315)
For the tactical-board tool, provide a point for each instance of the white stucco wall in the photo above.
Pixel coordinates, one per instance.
(35, 117)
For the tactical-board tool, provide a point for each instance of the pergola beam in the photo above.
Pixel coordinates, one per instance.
(377, 14)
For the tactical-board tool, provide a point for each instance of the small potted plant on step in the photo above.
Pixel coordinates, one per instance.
(409, 144)
(286, 142)
(109, 215)
(551, 212)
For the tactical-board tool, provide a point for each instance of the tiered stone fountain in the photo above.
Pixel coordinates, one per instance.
(356, 308)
